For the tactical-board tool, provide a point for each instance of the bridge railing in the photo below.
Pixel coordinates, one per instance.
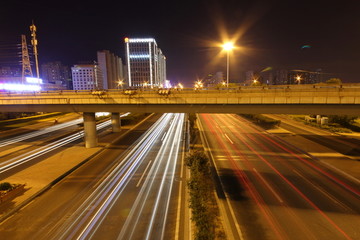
(244, 95)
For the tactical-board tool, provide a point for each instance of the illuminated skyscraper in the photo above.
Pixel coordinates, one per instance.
(146, 64)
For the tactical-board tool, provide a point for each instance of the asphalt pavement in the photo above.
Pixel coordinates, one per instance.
(44, 174)
(276, 189)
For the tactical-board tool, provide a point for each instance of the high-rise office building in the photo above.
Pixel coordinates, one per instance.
(146, 64)
(87, 77)
(112, 69)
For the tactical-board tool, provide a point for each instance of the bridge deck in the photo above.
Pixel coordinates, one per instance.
(302, 99)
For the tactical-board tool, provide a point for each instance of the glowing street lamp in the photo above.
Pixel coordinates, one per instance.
(298, 79)
(198, 84)
(228, 47)
(120, 83)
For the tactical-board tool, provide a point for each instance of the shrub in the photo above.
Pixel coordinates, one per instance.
(5, 186)
(192, 120)
(262, 120)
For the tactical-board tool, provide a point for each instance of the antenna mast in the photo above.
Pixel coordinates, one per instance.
(34, 42)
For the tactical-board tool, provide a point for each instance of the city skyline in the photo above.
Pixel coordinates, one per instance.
(274, 34)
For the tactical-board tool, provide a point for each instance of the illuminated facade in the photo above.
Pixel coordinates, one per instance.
(146, 64)
(87, 77)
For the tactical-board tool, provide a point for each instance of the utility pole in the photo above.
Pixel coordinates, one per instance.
(26, 68)
(34, 42)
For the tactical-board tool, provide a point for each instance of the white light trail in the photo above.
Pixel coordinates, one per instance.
(39, 132)
(30, 155)
(88, 218)
(174, 143)
(106, 193)
(168, 154)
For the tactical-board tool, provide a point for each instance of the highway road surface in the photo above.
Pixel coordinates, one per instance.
(123, 193)
(275, 190)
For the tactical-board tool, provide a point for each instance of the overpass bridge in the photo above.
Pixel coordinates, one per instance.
(272, 99)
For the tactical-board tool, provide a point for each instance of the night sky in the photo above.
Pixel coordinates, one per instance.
(267, 33)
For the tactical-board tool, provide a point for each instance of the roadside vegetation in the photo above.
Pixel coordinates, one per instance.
(262, 120)
(202, 198)
(193, 130)
(336, 123)
(9, 191)
(202, 202)
(6, 186)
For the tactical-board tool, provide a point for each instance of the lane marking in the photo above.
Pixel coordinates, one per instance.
(341, 172)
(228, 138)
(268, 185)
(337, 202)
(163, 136)
(142, 176)
(182, 177)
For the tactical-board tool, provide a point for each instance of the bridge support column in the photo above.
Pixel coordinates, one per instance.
(90, 129)
(115, 122)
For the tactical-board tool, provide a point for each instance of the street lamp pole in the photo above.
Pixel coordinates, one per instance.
(228, 47)
(227, 69)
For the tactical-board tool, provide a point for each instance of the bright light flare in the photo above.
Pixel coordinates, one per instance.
(33, 80)
(19, 87)
(199, 84)
(102, 114)
(228, 46)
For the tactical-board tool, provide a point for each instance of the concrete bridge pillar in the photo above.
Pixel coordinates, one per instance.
(115, 122)
(90, 129)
